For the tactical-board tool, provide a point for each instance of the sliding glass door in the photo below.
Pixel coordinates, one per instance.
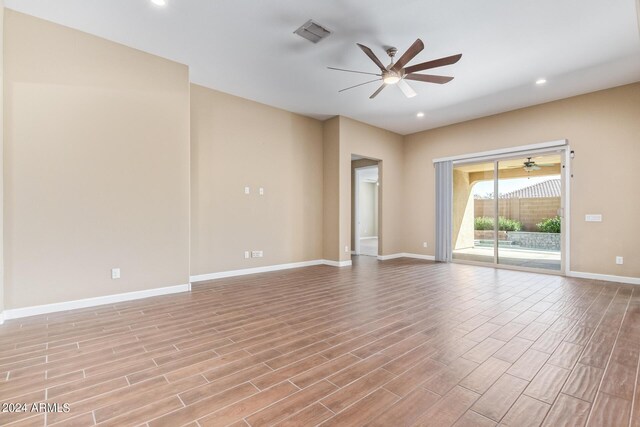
(529, 209)
(509, 212)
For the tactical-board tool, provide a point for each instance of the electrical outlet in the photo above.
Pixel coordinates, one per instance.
(261, 191)
(247, 190)
(247, 255)
(256, 254)
(115, 273)
(424, 244)
(346, 248)
(619, 260)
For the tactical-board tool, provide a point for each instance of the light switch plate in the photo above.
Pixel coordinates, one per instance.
(593, 217)
(247, 190)
(115, 273)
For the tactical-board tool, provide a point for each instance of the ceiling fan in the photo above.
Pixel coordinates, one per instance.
(530, 165)
(396, 73)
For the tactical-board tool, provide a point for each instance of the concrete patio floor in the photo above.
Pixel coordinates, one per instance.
(530, 258)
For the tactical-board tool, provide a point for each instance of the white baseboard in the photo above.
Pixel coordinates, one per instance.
(254, 270)
(337, 263)
(266, 269)
(392, 256)
(17, 313)
(420, 256)
(605, 277)
(406, 255)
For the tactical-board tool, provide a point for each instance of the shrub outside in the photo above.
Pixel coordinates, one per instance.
(550, 225)
(504, 224)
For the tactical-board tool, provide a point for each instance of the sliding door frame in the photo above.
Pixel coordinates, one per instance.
(496, 156)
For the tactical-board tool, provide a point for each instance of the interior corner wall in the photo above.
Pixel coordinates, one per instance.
(238, 143)
(603, 129)
(331, 189)
(387, 147)
(96, 166)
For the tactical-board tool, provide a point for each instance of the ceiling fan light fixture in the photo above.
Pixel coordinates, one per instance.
(541, 81)
(390, 78)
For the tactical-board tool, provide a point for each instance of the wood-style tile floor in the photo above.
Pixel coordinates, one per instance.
(394, 343)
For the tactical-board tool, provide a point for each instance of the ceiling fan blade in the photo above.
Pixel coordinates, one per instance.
(434, 63)
(535, 167)
(406, 89)
(353, 71)
(377, 91)
(413, 50)
(428, 78)
(361, 84)
(372, 56)
(548, 164)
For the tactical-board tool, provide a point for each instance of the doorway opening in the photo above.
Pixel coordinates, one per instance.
(365, 227)
(510, 211)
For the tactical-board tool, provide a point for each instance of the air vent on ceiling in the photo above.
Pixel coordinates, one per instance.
(312, 31)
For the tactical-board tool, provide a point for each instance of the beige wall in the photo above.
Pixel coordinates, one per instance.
(96, 166)
(603, 129)
(236, 143)
(344, 137)
(1, 156)
(374, 143)
(331, 189)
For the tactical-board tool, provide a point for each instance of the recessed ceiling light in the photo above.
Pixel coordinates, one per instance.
(420, 114)
(541, 81)
(159, 2)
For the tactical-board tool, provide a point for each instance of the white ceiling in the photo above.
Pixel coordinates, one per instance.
(247, 48)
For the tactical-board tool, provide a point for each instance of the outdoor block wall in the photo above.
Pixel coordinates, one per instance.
(528, 211)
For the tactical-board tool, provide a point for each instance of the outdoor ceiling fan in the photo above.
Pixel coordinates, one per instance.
(530, 165)
(396, 73)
